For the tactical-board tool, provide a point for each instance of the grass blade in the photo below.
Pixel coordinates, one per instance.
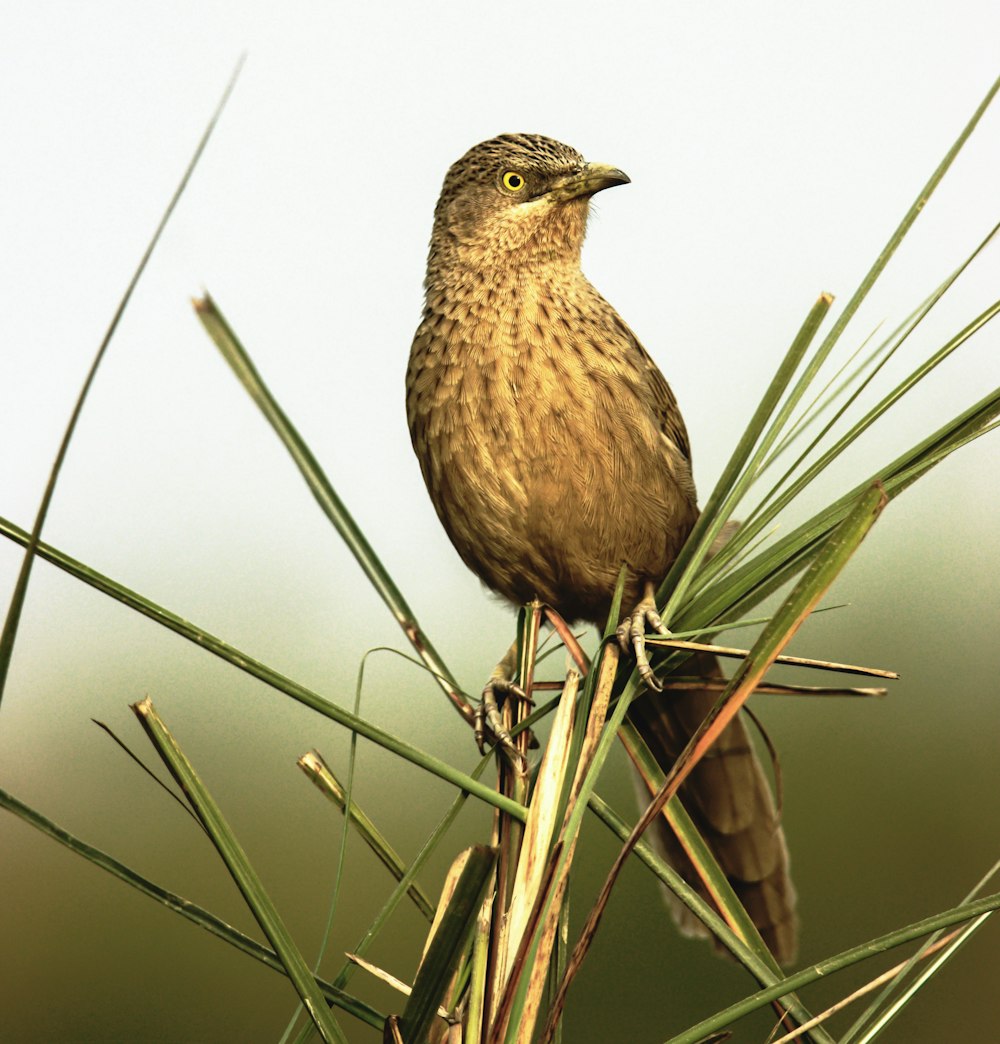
(242, 872)
(178, 904)
(450, 940)
(846, 959)
(326, 496)
(316, 768)
(9, 633)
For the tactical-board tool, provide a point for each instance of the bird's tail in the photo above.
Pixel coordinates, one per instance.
(729, 798)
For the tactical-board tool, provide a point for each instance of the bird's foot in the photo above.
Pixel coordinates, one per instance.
(631, 635)
(488, 722)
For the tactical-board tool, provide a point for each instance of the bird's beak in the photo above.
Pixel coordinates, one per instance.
(584, 183)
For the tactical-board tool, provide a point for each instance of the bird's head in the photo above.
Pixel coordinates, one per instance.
(517, 199)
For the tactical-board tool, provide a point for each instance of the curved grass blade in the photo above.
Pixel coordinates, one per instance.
(178, 904)
(9, 633)
(242, 872)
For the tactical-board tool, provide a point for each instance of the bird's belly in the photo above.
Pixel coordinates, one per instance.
(555, 500)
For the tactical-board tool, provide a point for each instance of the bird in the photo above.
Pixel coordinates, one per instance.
(554, 451)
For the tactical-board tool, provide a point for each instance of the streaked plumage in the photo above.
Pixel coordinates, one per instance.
(553, 449)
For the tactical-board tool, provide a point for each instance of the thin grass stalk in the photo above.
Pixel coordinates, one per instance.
(775, 503)
(9, 633)
(833, 391)
(878, 266)
(178, 904)
(876, 361)
(326, 496)
(822, 969)
(242, 872)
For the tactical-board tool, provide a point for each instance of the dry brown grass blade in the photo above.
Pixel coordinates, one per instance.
(771, 688)
(387, 977)
(791, 661)
(560, 859)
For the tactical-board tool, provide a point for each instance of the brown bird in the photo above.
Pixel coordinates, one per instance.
(553, 450)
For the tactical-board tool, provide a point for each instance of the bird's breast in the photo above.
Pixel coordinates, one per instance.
(539, 452)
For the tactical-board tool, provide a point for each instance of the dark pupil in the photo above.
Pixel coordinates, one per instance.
(514, 181)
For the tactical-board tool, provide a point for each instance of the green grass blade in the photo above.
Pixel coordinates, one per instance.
(872, 363)
(266, 674)
(880, 1001)
(878, 266)
(178, 904)
(326, 496)
(726, 492)
(847, 959)
(449, 943)
(242, 872)
(9, 633)
(776, 503)
(775, 565)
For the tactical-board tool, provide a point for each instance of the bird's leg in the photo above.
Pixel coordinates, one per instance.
(500, 686)
(631, 634)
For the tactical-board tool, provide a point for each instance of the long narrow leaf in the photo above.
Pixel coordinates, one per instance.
(847, 959)
(326, 496)
(178, 904)
(9, 633)
(243, 873)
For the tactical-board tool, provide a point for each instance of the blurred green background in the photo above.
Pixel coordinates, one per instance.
(772, 149)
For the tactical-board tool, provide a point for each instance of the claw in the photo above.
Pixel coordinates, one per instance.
(488, 723)
(631, 635)
(488, 714)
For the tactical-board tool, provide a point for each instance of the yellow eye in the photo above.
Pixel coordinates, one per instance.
(513, 181)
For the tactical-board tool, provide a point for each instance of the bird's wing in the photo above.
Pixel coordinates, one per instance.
(661, 398)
